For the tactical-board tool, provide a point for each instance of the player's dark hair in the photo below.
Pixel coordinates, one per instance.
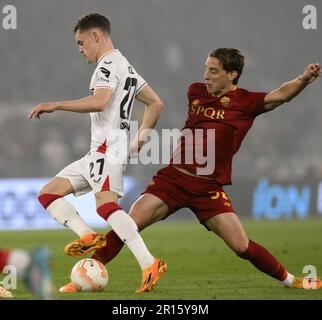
(231, 60)
(93, 20)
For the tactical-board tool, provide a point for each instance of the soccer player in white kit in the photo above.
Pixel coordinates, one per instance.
(113, 87)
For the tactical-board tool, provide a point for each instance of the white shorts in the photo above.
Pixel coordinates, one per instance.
(94, 172)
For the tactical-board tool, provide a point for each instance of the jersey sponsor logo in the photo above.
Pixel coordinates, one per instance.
(105, 72)
(209, 112)
(102, 79)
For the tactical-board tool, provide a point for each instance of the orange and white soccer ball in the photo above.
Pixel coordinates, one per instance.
(89, 275)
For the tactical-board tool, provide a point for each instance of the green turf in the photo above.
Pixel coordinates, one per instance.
(200, 264)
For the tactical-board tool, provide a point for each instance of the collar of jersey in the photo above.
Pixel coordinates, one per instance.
(106, 54)
(234, 87)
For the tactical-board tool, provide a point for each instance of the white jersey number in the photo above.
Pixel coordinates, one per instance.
(127, 102)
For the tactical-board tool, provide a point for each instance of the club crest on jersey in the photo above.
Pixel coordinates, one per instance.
(225, 101)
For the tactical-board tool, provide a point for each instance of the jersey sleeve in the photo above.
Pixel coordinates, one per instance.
(256, 104)
(140, 83)
(107, 75)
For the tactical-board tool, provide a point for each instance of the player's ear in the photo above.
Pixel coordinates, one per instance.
(232, 75)
(95, 36)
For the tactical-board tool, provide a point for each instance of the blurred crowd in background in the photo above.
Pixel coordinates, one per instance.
(284, 147)
(168, 46)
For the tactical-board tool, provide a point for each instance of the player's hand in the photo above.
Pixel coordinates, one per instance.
(42, 108)
(312, 72)
(135, 148)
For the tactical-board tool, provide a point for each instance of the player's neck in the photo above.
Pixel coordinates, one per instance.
(230, 87)
(108, 47)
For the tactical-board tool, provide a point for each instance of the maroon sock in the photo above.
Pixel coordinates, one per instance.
(4, 255)
(264, 261)
(113, 246)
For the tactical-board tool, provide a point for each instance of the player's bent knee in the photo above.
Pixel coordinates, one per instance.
(140, 219)
(136, 208)
(241, 247)
(47, 199)
(57, 186)
(105, 197)
(43, 190)
(142, 215)
(48, 194)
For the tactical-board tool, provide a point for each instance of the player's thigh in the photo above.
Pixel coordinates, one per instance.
(147, 210)
(229, 227)
(57, 185)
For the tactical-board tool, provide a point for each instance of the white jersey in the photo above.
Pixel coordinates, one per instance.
(115, 73)
(102, 168)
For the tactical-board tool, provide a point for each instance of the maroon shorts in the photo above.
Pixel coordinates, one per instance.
(205, 198)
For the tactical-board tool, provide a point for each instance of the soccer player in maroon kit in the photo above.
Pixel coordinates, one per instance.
(216, 104)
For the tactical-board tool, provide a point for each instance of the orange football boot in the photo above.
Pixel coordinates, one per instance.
(151, 275)
(86, 244)
(4, 293)
(69, 287)
(310, 283)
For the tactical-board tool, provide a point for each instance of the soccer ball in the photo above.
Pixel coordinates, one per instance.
(89, 275)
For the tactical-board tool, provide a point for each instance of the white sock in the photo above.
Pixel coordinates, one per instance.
(127, 230)
(65, 213)
(20, 259)
(289, 280)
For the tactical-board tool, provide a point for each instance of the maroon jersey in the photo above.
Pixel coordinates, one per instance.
(231, 115)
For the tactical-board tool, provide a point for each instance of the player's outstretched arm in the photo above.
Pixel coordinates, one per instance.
(291, 89)
(93, 103)
(152, 111)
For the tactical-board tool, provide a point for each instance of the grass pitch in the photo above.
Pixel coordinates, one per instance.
(200, 265)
